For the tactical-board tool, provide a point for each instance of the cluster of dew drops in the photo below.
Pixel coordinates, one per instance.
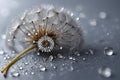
(103, 71)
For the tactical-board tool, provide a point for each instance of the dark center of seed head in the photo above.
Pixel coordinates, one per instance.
(45, 43)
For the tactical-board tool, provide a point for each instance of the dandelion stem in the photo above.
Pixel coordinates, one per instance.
(5, 69)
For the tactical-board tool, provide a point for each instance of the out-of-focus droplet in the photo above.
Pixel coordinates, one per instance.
(71, 68)
(102, 15)
(83, 59)
(72, 58)
(32, 73)
(42, 69)
(93, 22)
(21, 68)
(60, 56)
(105, 72)
(1, 52)
(61, 47)
(108, 51)
(38, 53)
(77, 19)
(15, 74)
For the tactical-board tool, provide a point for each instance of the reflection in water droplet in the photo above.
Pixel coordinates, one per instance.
(108, 51)
(102, 15)
(105, 72)
(15, 74)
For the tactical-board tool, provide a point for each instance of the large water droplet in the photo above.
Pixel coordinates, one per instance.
(108, 51)
(105, 72)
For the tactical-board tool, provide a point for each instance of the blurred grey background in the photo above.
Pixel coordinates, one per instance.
(100, 23)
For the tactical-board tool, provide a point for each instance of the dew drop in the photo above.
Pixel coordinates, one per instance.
(21, 68)
(15, 74)
(102, 15)
(61, 48)
(105, 72)
(77, 19)
(108, 51)
(83, 59)
(2, 52)
(42, 69)
(32, 73)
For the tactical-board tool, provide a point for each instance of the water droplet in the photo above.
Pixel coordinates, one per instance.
(2, 52)
(93, 22)
(26, 63)
(15, 74)
(102, 15)
(38, 53)
(51, 58)
(108, 51)
(72, 58)
(43, 69)
(60, 56)
(77, 18)
(105, 72)
(61, 47)
(26, 73)
(71, 14)
(32, 73)
(83, 59)
(21, 68)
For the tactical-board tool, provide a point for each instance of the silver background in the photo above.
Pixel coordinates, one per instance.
(96, 38)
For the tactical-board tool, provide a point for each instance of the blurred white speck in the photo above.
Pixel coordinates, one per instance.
(93, 22)
(77, 18)
(32, 73)
(43, 69)
(15, 74)
(83, 59)
(105, 72)
(61, 47)
(2, 52)
(102, 15)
